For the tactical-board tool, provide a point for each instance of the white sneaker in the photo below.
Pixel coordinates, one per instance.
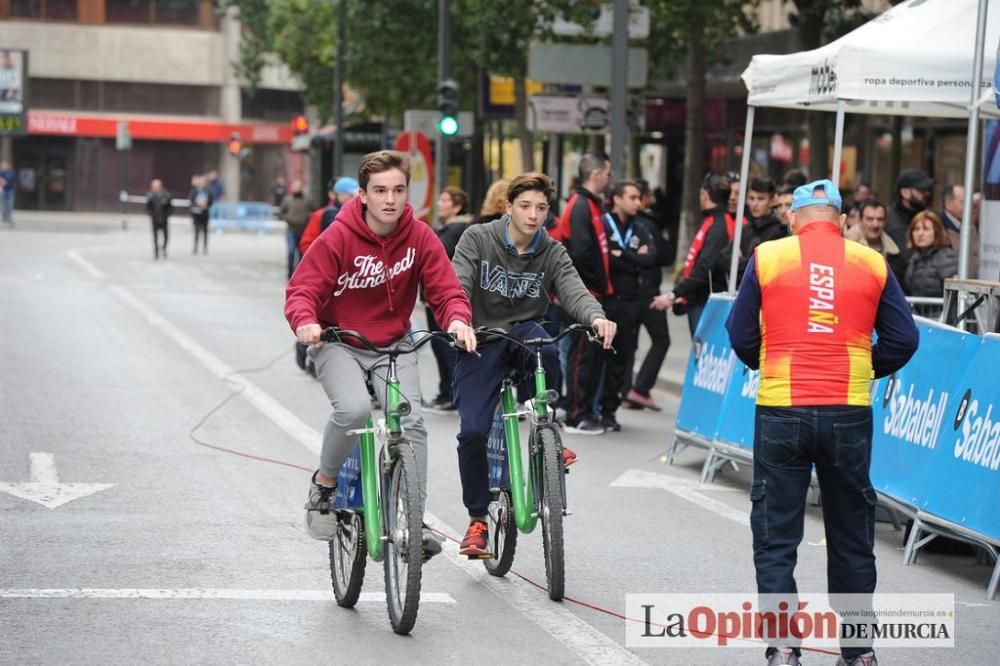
(321, 521)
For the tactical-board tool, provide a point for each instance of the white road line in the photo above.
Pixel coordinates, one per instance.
(87, 267)
(587, 642)
(267, 405)
(203, 593)
(687, 490)
(592, 646)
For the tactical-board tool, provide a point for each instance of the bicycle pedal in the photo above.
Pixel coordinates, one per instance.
(481, 556)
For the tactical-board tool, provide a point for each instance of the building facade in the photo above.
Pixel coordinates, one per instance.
(163, 67)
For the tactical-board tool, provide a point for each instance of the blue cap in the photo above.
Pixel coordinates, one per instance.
(346, 185)
(807, 195)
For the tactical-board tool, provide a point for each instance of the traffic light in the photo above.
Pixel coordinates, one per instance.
(300, 124)
(448, 105)
(235, 145)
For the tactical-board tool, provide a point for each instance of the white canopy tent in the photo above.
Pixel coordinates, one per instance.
(916, 59)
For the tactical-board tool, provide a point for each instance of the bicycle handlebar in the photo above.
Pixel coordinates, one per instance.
(538, 342)
(334, 334)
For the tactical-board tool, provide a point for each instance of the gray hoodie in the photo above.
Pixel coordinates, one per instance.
(506, 287)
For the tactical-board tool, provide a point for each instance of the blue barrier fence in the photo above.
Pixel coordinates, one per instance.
(936, 442)
(253, 216)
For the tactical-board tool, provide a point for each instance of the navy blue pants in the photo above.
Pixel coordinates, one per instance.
(788, 441)
(477, 392)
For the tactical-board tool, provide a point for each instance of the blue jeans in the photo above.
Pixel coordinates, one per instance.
(7, 205)
(293, 237)
(788, 441)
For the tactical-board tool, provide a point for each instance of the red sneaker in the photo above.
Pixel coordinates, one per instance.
(474, 544)
(569, 457)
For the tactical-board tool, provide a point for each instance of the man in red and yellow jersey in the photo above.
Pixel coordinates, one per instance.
(804, 316)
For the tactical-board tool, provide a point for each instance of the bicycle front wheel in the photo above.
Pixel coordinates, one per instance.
(403, 548)
(348, 557)
(552, 505)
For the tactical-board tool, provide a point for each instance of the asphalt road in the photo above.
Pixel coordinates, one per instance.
(114, 365)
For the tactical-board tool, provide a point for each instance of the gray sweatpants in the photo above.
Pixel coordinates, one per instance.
(339, 369)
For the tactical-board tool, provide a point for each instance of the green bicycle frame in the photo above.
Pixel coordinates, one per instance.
(522, 492)
(369, 466)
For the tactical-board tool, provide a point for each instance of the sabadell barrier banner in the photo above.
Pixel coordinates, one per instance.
(936, 422)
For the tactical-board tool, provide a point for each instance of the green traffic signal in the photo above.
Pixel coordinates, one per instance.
(448, 125)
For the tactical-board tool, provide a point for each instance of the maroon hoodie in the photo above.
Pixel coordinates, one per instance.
(354, 279)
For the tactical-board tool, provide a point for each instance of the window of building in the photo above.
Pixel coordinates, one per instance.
(46, 10)
(125, 97)
(274, 105)
(161, 12)
(176, 12)
(128, 11)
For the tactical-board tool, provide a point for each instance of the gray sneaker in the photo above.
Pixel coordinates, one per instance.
(783, 656)
(321, 521)
(431, 543)
(866, 659)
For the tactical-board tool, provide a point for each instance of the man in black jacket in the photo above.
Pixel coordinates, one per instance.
(763, 225)
(160, 208)
(581, 229)
(913, 194)
(705, 269)
(631, 249)
(637, 393)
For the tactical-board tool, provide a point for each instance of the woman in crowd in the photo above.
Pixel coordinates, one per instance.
(931, 262)
(495, 202)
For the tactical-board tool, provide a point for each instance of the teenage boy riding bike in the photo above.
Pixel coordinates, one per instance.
(509, 268)
(363, 275)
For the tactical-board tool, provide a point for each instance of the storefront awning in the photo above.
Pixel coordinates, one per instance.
(59, 123)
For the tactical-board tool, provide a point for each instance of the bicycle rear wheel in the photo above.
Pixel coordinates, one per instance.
(552, 510)
(348, 557)
(502, 534)
(403, 549)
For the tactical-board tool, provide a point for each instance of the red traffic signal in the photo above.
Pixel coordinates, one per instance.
(300, 124)
(235, 144)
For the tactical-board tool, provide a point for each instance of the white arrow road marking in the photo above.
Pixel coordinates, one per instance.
(587, 642)
(203, 593)
(685, 489)
(45, 488)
